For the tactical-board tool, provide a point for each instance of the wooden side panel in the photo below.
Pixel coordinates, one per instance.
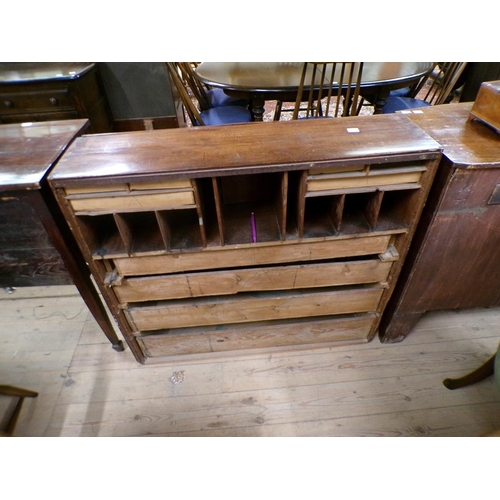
(249, 280)
(254, 307)
(267, 335)
(458, 264)
(252, 256)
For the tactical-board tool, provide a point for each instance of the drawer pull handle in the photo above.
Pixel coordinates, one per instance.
(53, 101)
(8, 104)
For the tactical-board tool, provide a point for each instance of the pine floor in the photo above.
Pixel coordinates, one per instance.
(50, 343)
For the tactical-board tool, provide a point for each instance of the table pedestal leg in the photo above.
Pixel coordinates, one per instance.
(257, 108)
(380, 100)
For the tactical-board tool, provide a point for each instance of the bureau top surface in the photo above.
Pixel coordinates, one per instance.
(29, 150)
(24, 72)
(465, 142)
(243, 148)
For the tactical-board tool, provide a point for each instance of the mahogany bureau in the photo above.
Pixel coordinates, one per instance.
(454, 260)
(36, 246)
(33, 92)
(261, 236)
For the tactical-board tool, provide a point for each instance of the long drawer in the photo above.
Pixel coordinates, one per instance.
(251, 256)
(265, 335)
(261, 306)
(35, 101)
(233, 281)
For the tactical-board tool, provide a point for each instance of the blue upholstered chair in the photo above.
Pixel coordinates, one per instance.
(440, 82)
(207, 97)
(328, 89)
(222, 115)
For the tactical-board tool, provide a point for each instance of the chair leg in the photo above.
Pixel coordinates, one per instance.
(9, 390)
(277, 111)
(484, 371)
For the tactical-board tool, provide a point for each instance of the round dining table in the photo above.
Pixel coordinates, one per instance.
(259, 82)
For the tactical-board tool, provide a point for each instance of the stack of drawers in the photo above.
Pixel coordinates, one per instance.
(258, 236)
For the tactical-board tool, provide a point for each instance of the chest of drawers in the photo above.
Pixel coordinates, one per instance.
(247, 237)
(33, 92)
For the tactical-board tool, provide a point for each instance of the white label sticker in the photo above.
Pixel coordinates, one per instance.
(353, 130)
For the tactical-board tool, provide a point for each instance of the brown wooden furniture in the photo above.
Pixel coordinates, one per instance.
(32, 92)
(252, 236)
(22, 394)
(454, 261)
(486, 107)
(441, 82)
(207, 98)
(333, 90)
(206, 114)
(438, 84)
(36, 246)
(263, 81)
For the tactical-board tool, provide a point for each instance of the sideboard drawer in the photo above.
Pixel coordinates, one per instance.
(36, 101)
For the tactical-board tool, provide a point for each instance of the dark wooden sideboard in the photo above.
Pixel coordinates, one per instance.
(32, 92)
(454, 260)
(247, 237)
(36, 245)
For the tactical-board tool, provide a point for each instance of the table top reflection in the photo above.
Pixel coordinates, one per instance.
(269, 76)
(260, 81)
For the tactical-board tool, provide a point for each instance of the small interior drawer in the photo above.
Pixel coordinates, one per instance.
(124, 188)
(133, 202)
(370, 177)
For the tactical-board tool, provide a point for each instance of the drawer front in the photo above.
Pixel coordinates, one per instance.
(38, 117)
(35, 101)
(229, 282)
(254, 307)
(275, 335)
(88, 191)
(365, 179)
(133, 203)
(127, 197)
(252, 256)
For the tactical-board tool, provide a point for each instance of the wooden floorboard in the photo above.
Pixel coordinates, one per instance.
(50, 343)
